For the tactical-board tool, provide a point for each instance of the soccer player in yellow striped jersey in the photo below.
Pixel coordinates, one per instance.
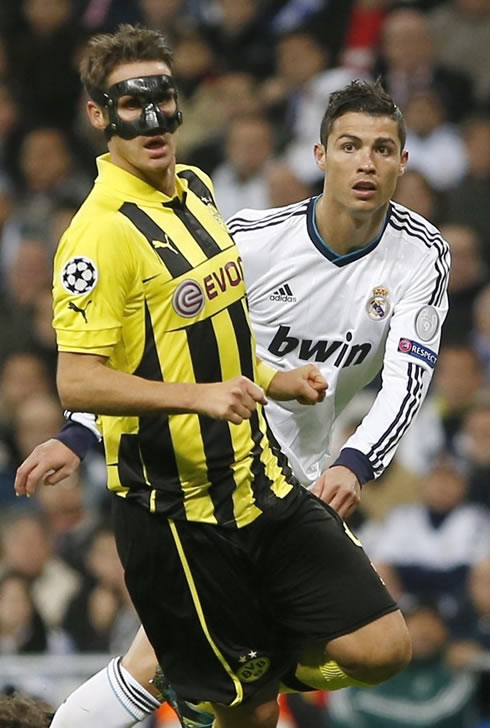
(223, 551)
(153, 283)
(148, 280)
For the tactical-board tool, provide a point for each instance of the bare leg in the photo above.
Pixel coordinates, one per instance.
(140, 660)
(122, 695)
(376, 652)
(261, 711)
(368, 656)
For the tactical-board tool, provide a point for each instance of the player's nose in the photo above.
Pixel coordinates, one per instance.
(367, 165)
(366, 160)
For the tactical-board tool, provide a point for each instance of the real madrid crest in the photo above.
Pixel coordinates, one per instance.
(378, 305)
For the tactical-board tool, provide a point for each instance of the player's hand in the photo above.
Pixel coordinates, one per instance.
(233, 400)
(305, 384)
(48, 464)
(340, 488)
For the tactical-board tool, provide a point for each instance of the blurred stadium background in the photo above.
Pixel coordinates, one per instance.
(254, 78)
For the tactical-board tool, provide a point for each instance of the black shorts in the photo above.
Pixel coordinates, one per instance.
(229, 610)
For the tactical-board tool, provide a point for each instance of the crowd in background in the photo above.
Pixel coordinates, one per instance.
(254, 77)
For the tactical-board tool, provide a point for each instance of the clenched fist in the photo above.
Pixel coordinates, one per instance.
(233, 400)
(306, 384)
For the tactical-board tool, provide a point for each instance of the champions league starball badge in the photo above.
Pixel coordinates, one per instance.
(378, 306)
(79, 275)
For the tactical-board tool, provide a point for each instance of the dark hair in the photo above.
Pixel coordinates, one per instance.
(19, 711)
(366, 97)
(128, 44)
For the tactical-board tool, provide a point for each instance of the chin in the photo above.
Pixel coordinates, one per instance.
(365, 206)
(160, 165)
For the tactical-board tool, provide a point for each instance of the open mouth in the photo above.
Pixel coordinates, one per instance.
(364, 190)
(156, 142)
(365, 185)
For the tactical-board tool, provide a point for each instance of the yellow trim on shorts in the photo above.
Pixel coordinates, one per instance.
(200, 614)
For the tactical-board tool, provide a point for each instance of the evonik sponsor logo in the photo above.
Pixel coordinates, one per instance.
(228, 275)
(190, 295)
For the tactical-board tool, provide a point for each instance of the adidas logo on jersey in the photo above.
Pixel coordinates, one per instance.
(283, 294)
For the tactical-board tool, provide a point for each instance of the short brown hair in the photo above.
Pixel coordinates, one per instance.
(129, 43)
(365, 97)
(19, 711)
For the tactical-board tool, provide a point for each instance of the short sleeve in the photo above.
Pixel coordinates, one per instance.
(94, 278)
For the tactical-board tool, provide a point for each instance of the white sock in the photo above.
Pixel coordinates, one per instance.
(111, 698)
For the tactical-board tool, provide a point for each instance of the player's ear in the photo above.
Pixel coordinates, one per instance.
(96, 115)
(320, 156)
(403, 162)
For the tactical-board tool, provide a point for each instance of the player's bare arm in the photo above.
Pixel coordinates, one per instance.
(86, 384)
(48, 464)
(340, 488)
(306, 384)
(52, 461)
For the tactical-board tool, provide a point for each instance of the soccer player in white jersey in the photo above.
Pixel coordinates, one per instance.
(348, 280)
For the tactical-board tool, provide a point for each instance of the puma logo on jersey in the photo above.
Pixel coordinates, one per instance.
(78, 309)
(346, 354)
(166, 243)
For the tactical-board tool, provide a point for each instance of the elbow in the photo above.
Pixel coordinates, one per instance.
(70, 397)
(78, 382)
(74, 393)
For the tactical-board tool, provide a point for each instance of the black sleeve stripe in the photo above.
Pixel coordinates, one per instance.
(404, 216)
(438, 295)
(433, 238)
(441, 263)
(414, 408)
(283, 214)
(404, 228)
(372, 453)
(409, 407)
(261, 225)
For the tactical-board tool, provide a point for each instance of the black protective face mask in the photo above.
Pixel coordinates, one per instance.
(149, 92)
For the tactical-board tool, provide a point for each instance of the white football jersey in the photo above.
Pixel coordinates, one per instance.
(381, 306)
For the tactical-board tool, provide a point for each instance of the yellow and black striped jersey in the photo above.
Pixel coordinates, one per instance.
(156, 285)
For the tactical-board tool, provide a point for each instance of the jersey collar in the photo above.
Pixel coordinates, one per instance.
(322, 246)
(127, 185)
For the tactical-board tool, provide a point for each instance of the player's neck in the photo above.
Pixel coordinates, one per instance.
(161, 180)
(342, 230)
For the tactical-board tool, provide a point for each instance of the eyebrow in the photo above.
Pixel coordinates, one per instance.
(378, 140)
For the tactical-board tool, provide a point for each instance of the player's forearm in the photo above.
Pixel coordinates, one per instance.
(90, 386)
(282, 387)
(305, 384)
